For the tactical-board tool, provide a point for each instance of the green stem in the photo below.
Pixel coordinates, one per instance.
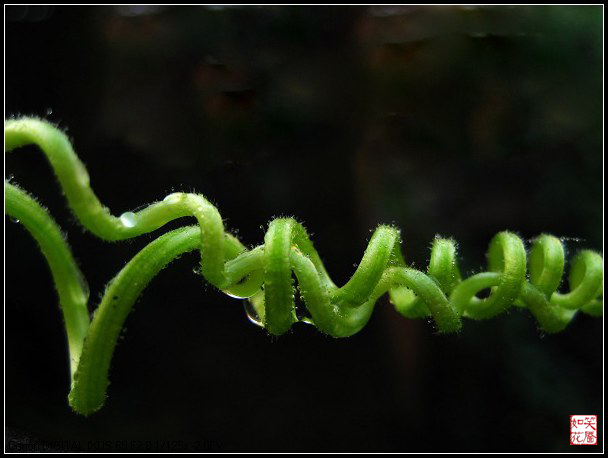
(70, 283)
(264, 274)
(91, 379)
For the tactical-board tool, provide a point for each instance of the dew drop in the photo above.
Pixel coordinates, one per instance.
(14, 220)
(307, 321)
(128, 219)
(49, 111)
(252, 314)
(235, 296)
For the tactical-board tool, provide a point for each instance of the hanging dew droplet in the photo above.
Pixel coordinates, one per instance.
(307, 321)
(252, 314)
(235, 296)
(128, 219)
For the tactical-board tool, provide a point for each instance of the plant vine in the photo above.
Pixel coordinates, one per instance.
(263, 274)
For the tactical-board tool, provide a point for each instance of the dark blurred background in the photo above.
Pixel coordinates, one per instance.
(460, 121)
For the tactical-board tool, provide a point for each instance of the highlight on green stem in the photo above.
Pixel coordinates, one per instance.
(263, 274)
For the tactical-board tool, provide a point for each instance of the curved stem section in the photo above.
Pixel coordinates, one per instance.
(266, 273)
(69, 281)
(91, 379)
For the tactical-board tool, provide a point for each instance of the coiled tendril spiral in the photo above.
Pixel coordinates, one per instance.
(264, 274)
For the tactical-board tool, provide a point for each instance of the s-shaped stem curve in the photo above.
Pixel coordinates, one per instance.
(264, 274)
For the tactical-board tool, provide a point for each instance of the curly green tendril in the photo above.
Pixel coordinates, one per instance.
(264, 274)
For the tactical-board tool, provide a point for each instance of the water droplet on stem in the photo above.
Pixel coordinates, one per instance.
(128, 219)
(235, 296)
(252, 314)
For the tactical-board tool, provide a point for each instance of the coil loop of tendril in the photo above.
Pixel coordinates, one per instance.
(264, 274)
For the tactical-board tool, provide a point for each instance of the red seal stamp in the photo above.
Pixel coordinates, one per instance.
(583, 429)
